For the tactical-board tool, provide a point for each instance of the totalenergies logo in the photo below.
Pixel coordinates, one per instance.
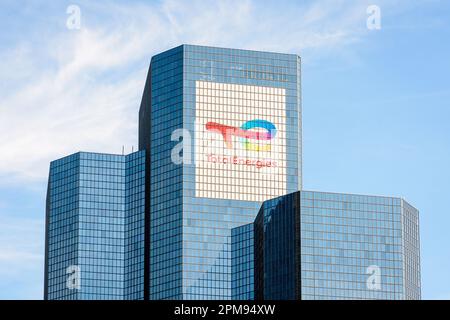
(245, 134)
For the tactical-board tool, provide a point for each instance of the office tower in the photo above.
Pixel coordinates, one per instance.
(241, 145)
(317, 245)
(212, 202)
(95, 227)
(242, 262)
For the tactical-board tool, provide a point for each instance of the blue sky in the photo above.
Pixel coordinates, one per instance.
(376, 102)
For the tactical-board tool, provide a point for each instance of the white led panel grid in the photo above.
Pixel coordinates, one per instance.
(240, 141)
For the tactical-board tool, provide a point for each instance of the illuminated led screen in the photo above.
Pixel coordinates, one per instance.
(240, 141)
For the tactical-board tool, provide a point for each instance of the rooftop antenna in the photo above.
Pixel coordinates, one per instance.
(123, 150)
(132, 149)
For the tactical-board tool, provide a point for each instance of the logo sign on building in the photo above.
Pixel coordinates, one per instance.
(240, 141)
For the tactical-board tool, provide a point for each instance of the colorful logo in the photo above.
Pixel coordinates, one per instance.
(245, 134)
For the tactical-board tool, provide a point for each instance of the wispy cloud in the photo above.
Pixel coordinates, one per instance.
(84, 90)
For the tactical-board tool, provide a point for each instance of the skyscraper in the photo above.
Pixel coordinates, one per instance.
(212, 206)
(95, 227)
(316, 245)
(241, 115)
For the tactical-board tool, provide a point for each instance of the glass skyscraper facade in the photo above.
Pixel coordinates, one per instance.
(95, 227)
(242, 262)
(317, 245)
(241, 114)
(211, 206)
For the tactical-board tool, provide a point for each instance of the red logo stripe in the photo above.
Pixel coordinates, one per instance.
(228, 131)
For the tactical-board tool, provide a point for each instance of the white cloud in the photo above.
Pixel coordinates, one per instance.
(83, 90)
